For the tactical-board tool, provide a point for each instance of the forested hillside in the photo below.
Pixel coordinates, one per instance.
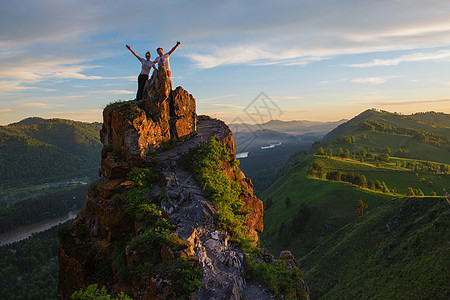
(37, 150)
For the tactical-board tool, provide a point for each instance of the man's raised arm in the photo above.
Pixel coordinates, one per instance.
(175, 47)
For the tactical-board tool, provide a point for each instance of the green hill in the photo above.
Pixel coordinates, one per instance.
(37, 150)
(311, 208)
(406, 136)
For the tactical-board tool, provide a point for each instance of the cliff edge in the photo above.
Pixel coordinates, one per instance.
(155, 226)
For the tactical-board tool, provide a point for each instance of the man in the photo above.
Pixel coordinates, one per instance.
(147, 64)
(164, 59)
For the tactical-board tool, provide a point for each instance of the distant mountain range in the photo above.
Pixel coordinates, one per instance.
(37, 150)
(302, 127)
(288, 136)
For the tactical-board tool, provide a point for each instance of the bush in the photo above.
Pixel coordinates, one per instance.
(93, 293)
(278, 277)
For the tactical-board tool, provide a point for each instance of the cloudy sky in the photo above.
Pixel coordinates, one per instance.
(314, 60)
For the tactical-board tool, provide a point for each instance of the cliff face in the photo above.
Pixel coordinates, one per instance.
(135, 129)
(148, 214)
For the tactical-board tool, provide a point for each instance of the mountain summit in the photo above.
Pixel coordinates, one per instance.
(172, 216)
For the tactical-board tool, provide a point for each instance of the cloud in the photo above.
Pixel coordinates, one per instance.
(257, 55)
(285, 97)
(297, 34)
(334, 81)
(87, 115)
(220, 33)
(5, 110)
(215, 98)
(228, 106)
(415, 57)
(29, 70)
(370, 80)
(113, 92)
(36, 105)
(410, 102)
(14, 86)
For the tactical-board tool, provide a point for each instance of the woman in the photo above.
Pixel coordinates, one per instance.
(147, 64)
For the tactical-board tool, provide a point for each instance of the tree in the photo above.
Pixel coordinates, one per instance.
(410, 192)
(301, 218)
(384, 187)
(288, 202)
(362, 181)
(347, 153)
(363, 152)
(378, 185)
(360, 206)
(419, 192)
(269, 203)
(320, 151)
(330, 152)
(340, 152)
(334, 175)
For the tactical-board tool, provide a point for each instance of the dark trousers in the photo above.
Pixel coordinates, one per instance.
(141, 83)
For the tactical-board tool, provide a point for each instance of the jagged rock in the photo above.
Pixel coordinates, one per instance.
(183, 118)
(130, 133)
(135, 129)
(70, 274)
(111, 168)
(159, 85)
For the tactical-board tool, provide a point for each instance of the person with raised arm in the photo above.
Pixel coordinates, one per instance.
(164, 59)
(147, 64)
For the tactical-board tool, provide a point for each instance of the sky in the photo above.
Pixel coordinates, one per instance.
(243, 61)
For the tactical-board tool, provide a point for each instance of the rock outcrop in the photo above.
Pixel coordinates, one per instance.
(136, 129)
(100, 247)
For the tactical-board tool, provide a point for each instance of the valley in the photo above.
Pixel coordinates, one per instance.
(401, 181)
(312, 184)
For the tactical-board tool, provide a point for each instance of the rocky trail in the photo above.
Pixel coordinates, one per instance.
(187, 205)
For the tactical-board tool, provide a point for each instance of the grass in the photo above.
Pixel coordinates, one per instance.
(206, 165)
(393, 175)
(399, 247)
(366, 261)
(332, 205)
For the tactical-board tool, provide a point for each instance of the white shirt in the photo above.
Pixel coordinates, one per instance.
(165, 60)
(146, 66)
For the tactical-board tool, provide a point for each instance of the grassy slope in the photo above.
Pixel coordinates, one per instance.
(345, 256)
(365, 260)
(378, 140)
(392, 175)
(332, 207)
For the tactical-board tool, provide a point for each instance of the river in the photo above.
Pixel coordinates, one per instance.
(23, 232)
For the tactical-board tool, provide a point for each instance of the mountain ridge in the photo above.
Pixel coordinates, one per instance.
(172, 216)
(72, 148)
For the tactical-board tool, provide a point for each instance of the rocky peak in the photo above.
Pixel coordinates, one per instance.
(134, 129)
(117, 240)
